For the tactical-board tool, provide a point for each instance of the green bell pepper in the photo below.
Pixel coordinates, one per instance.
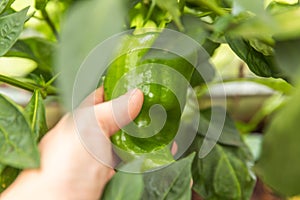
(142, 67)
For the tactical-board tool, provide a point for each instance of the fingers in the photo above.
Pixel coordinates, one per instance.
(94, 98)
(99, 95)
(174, 148)
(115, 114)
(95, 124)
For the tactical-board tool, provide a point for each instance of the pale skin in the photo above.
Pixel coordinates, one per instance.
(67, 170)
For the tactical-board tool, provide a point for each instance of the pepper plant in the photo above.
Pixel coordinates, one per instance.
(57, 36)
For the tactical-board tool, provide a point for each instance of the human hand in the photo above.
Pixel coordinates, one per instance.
(68, 170)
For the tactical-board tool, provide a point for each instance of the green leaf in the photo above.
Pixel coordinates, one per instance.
(221, 25)
(210, 46)
(17, 142)
(287, 55)
(172, 7)
(226, 3)
(255, 6)
(35, 111)
(124, 186)
(132, 3)
(280, 162)
(225, 181)
(205, 6)
(3, 5)
(7, 11)
(288, 24)
(229, 135)
(77, 42)
(11, 27)
(276, 84)
(38, 49)
(196, 29)
(224, 173)
(8, 175)
(279, 85)
(171, 182)
(254, 142)
(40, 4)
(258, 63)
(198, 79)
(269, 106)
(275, 7)
(281, 24)
(2, 167)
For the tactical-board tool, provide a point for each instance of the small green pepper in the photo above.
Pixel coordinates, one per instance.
(142, 67)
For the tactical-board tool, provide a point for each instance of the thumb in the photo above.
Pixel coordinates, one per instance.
(115, 114)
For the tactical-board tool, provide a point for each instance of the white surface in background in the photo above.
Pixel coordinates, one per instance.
(245, 88)
(19, 96)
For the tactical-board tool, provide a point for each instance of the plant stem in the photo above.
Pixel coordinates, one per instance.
(150, 11)
(49, 90)
(50, 23)
(15, 82)
(188, 10)
(211, 5)
(214, 7)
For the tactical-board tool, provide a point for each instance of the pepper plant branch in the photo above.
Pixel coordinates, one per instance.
(188, 10)
(49, 90)
(212, 6)
(50, 23)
